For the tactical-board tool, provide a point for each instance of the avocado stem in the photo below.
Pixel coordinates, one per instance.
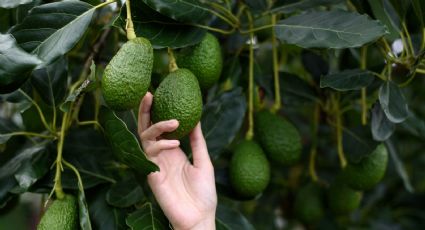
(277, 103)
(363, 57)
(172, 65)
(340, 147)
(58, 182)
(250, 132)
(129, 27)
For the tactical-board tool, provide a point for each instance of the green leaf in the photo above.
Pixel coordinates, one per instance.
(329, 29)
(381, 127)
(124, 144)
(302, 5)
(294, 90)
(228, 219)
(51, 82)
(160, 30)
(189, 11)
(84, 216)
(125, 193)
(417, 7)
(393, 102)
(147, 218)
(104, 216)
(415, 125)
(380, 12)
(353, 79)
(52, 29)
(221, 120)
(8, 4)
(16, 64)
(401, 170)
(6, 127)
(73, 96)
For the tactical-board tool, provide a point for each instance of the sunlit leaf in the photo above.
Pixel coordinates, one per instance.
(51, 30)
(329, 29)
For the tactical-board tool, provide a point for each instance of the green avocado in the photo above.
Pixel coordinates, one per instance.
(249, 169)
(61, 215)
(179, 97)
(279, 138)
(369, 171)
(203, 59)
(342, 199)
(128, 75)
(309, 204)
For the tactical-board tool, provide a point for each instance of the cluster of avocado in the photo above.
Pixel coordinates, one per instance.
(345, 193)
(127, 78)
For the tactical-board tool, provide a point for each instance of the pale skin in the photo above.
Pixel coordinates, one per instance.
(185, 191)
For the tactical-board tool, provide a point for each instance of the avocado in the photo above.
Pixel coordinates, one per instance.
(342, 199)
(308, 204)
(128, 75)
(279, 138)
(61, 215)
(203, 59)
(179, 97)
(249, 169)
(369, 171)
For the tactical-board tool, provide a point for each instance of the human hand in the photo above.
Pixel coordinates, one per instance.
(186, 192)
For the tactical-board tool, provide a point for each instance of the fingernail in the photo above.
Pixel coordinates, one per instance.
(173, 122)
(175, 142)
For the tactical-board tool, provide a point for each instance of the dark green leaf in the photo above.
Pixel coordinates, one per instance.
(347, 80)
(51, 82)
(124, 144)
(52, 29)
(418, 11)
(16, 64)
(6, 127)
(393, 102)
(401, 170)
(329, 29)
(302, 5)
(147, 218)
(381, 127)
(84, 216)
(380, 12)
(104, 216)
(13, 3)
(190, 11)
(222, 119)
(294, 90)
(415, 125)
(258, 6)
(125, 193)
(228, 219)
(160, 30)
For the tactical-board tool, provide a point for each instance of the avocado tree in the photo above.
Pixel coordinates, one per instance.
(312, 110)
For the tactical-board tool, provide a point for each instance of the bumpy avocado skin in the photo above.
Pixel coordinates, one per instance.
(279, 138)
(61, 215)
(178, 97)
(203, 59)
(309, 204)
(128, 75)
(249, 169)
(369, 171)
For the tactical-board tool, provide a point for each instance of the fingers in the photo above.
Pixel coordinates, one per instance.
(144, 118)
(158, 146)
(201, 158)
(154, 131)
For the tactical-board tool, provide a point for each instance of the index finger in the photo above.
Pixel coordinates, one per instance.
(144, 116)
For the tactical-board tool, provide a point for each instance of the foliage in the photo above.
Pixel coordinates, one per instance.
(348, 75)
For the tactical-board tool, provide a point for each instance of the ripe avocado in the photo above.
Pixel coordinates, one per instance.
(61, 215)
(369, 171)
(179, 97)
(249, 169)
(203, 59)
(128, 75)
(308, 204)
(279, 138)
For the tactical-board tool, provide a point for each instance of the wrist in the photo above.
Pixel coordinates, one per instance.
(205, 224)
